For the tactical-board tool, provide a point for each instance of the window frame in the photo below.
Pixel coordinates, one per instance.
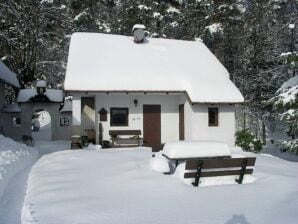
(216, 119)
(15, 124)
(127, 117)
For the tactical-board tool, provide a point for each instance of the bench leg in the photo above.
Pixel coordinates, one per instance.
(242, 172)
(198, 175)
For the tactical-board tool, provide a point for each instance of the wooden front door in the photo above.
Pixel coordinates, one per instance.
(181, 122)
(152, 126)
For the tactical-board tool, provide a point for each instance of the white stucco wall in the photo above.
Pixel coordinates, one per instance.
(76, 109)
(196, 116)
(169, 112)
(196, 123)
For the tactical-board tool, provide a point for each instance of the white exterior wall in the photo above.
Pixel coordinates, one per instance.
(76, 109)
(169, 112)
(196, 116)
(196, 123)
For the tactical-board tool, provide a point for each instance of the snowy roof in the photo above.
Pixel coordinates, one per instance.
(11, 108)
(105, 62)
(41, 83)
(54, 95)
(67, 106)
(8, 76)
(138, 26)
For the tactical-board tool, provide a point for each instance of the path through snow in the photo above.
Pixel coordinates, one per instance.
(15, 167)
(13, 197)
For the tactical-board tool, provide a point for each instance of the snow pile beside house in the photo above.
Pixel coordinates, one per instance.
(14, 157)
(192, 149)
(159, 163)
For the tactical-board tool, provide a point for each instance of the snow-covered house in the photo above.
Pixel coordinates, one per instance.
(169, 89)
(7, 77)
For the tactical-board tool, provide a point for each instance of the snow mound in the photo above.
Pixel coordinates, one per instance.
(94, 147)
(14, 157)
(160, 164)
(184, 149)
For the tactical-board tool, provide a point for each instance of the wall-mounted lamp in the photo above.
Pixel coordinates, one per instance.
(135, 102)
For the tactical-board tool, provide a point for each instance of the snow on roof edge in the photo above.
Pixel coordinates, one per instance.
(152, 91)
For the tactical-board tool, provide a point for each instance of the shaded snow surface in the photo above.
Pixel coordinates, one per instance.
(118, 186)
(15, 162)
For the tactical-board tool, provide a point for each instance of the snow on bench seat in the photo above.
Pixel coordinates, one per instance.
(196, 149)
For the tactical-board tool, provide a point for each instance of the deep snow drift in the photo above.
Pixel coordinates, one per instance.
(14, 157)
(15, 162)
(118, 186)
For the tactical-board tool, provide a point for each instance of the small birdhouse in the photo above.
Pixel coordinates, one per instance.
(103, 114)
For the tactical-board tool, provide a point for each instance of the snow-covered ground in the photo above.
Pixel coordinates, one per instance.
(15, 162)
(45, 132)
(118, 186)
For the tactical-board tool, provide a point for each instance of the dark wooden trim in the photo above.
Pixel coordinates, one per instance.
(127, 117)
(152, 126)
(218, 173)
(181, 121)
(135, 140)
(125, 132)
(219, 163)
(205, 168)
(216, 111)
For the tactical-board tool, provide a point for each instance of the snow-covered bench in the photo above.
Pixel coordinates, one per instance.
(134, 138)
(183, 150)
(219, 167)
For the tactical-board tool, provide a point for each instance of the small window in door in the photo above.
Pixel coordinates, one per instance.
(213, 116)
(119, 117)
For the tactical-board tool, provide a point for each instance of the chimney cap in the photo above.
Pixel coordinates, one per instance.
(138, 31)
(41, 83)
(138, 26)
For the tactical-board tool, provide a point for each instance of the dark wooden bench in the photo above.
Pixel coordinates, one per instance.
(225, 167)
(134, 140)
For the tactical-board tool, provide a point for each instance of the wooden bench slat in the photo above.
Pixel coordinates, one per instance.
(125, 132)
(219, 163)
(217, 173)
